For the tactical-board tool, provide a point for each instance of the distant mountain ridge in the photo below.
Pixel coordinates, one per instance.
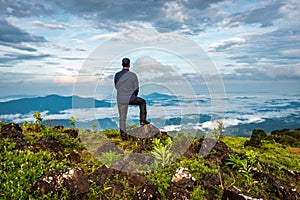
(52, 103)
(157, 95)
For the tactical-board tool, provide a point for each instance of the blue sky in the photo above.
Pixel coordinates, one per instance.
(45, 45)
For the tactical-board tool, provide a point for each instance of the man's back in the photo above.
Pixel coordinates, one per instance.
(126, 83)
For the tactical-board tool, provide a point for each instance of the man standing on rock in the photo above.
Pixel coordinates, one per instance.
(127, 85)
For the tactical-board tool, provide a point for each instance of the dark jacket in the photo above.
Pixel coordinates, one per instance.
(127, 85)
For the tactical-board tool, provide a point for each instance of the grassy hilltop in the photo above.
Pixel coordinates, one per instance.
(265, 165)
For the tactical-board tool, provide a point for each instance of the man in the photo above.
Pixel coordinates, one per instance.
(127, 85)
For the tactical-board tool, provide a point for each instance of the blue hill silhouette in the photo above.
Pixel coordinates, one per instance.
(52, 103)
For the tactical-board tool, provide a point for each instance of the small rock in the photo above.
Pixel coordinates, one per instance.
(73, 179)
(58, 127)
(210, 180)
(220, 152)
(175, 193)
(73, 156)
(122, 164)
(135, 180)
(23, 145)
(149, 191)
(234, 193)
(108, 146)
(115, 189)
(11, 130)
(51, 144)
(100, 175)
(72, 133)
(183, 179)
(281, 188)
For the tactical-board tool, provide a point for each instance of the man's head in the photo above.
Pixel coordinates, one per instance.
(126, 62)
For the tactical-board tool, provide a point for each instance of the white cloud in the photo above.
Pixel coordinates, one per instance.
(53, 25)
(291, 52)
(78, 41)
(173, 12)
(228, 43)
(290, 13)
(102, 36)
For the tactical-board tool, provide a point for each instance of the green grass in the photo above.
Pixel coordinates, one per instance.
(20, 170)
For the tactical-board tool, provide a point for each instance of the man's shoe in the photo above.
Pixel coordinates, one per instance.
(124, 135)
(124, 138)
(144, 122)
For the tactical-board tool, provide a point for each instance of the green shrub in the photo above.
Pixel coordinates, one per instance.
(20, 169)
(257, 136)
(108, 158)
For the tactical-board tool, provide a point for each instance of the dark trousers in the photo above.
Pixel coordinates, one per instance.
(123, 109)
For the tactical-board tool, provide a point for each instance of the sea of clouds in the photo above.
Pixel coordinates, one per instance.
(197, 113)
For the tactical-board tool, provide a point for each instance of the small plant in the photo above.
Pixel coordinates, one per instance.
(95, 128)
(244, 166)
(161, 152)
(38, 117)
(72, 121)
(24, 125)
(108, 158)
(219, 131)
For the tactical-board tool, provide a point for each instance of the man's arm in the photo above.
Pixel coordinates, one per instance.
(136, 86)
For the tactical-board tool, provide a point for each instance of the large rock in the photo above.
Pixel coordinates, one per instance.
(144, 136)
(234, 193)
(107, 147)
(220, 152)
(146, 131)
(122, 164)
(73, 179)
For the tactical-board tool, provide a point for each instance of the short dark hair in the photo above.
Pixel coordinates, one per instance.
(125, 62)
